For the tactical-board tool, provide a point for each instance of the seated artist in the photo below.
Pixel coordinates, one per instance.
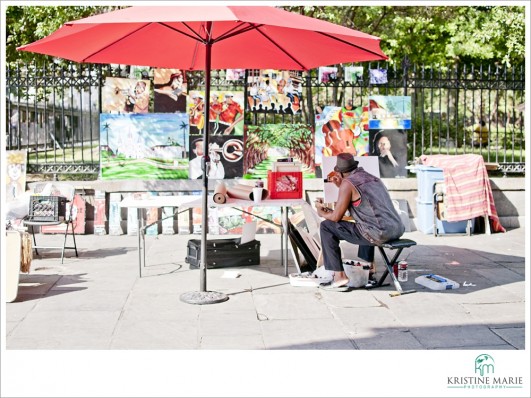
(374, 218)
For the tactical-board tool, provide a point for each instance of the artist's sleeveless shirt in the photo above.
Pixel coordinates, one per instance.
(375, 215)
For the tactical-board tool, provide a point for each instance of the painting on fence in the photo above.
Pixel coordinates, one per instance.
(277, 91)
(340, 130)
(391, 148)
(327, 74)
(225, 153)
(234, 74)
(170, 90)
(146, 147)
(125, 95)
(266, 143)
(225, 115)
(389, 112)
(353, 74)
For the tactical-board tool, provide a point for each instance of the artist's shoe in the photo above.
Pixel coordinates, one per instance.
(332, 287)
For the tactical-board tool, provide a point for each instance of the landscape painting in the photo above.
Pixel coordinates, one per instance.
(267, 143)
(389, 112)
(144, 146)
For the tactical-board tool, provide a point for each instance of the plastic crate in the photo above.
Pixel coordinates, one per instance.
(425, 221)
(47, 208)
(284, 185)
(427, 176)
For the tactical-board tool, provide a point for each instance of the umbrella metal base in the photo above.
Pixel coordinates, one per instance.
(203, 297)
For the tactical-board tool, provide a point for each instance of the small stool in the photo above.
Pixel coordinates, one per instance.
(398, 245)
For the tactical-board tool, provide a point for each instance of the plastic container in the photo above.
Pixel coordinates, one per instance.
(425, 221)
(436, 282)
(427, 176)
(284, 185)
(47, 208)
(357, 272)
(306, 279)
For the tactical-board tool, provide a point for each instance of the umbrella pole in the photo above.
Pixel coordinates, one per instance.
(204, 296)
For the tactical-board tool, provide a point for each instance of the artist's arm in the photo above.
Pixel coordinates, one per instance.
(347, 193)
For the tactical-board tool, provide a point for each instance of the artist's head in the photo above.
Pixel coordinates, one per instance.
(345, 163)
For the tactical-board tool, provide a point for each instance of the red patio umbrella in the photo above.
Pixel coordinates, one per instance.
(205, 38)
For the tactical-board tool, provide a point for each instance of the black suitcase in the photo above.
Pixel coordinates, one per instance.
(224, 253)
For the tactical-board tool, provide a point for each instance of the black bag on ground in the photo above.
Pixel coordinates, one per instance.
(224, 253)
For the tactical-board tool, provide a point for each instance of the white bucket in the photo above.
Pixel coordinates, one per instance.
(357, 272)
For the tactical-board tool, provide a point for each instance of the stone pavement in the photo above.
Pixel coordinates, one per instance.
(98, 301)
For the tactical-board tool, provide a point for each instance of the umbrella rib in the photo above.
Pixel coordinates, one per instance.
(195, 35)
(234, 32)
(280, 48)
(350, 44)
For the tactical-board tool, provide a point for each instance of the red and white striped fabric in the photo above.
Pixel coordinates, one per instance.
(468, 190)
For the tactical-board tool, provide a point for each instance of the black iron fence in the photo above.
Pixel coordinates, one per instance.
(53, 110)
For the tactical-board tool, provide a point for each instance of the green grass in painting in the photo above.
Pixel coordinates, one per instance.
(138, 170)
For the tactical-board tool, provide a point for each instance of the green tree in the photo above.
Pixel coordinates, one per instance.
(436, 35)
(26, 24)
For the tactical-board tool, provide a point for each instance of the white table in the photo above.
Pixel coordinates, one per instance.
(284, 204)
(179, 201)
(184, 202)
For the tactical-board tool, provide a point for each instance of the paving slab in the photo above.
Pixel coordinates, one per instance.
(98, 300)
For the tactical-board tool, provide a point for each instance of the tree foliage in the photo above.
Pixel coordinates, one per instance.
(26, 24)
(431, 35)
(436, 35)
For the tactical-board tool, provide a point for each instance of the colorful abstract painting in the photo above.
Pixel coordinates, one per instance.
(266, 143)
(378, 76)
(145, 147)
(389, 112)
(353, 73)
(274, 91)
(327, 74)
(339, 130)
(125, 95)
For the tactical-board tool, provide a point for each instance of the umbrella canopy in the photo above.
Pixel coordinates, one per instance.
(206, 38)
(246, 37)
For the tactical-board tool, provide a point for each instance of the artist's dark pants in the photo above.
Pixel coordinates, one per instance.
(332, 233)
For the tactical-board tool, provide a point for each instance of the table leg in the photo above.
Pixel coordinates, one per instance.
(139, 231)
(285, 233)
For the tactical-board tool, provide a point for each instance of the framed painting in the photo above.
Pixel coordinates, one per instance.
(147, 147)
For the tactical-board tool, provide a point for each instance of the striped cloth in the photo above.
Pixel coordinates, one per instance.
(468, 190)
